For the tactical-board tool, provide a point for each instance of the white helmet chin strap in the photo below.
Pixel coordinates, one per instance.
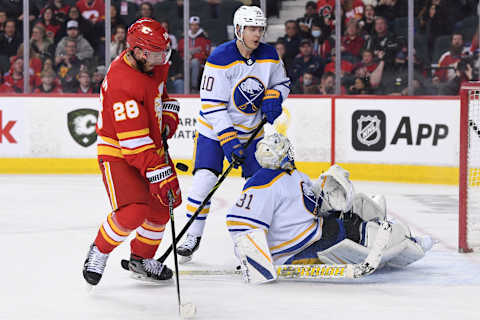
(240, 38)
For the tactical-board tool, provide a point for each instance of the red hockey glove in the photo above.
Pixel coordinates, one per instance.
(163, 179)
(170, 119)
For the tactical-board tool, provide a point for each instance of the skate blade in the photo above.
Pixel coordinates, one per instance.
(89, 288)
(141, 277)
(185, 259)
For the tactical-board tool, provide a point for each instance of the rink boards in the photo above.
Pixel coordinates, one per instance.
(376, 138)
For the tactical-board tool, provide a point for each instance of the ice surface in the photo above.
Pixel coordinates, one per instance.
(48, 223)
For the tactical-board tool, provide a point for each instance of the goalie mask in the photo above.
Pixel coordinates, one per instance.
(275, 151)
(248, 16)
(150, 36)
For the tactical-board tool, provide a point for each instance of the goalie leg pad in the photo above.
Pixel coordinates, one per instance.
(256, 261)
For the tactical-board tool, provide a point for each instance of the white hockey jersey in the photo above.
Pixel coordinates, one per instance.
(233, 87)
(282, 204)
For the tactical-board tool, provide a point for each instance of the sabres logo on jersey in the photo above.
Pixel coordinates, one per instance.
(248, 95)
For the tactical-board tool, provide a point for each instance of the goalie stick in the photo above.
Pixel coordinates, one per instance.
(318, 272)
(162, 259)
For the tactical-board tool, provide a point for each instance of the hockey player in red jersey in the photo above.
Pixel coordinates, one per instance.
(136, 111)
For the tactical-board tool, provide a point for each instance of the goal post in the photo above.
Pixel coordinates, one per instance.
(469, 168)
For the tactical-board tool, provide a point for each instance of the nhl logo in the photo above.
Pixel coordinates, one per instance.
(81, 125)
(368, 130)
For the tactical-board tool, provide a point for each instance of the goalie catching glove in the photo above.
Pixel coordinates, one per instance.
(170, 118)
(334, 189)
(272, 105)
(163, 179)
(232, 148)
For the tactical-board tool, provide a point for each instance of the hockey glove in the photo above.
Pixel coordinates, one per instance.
(163, 179)
(272, 105)
(170, 119)
(232, 148)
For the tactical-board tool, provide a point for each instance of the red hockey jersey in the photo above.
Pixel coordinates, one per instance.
(130, 122)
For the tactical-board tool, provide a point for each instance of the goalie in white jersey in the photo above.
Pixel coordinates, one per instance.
(297, 220)
(243, 81)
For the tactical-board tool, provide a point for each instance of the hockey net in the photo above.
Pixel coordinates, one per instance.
(469, 175)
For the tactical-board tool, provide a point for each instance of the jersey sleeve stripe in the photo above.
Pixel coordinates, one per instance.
(206, 106)
(136, 142)
(238, 223)
(205, 113)
(298, 237)
(214, 100)
(109, 151)
(133, 134)
(137, 150)
(108, 141)
(249, 219)
(205, 123)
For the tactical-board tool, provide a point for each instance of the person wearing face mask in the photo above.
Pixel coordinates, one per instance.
(318, 35)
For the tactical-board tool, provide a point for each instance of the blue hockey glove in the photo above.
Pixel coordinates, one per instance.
(232, 148)
(272, 105)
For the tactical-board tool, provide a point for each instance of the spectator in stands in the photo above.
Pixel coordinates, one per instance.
(83, 49)
(465, 71)
(35, 63)
(85, 27)
(49, 22)
(367, 23)
(352, 42)
(84, 82)
(367, 62)
(352, 10)
(308, 84)
(48, 84)
(60, 10)
(13, 80)
(68, 66)
(175, 82)
(93, 10)
(346, 67)
(119, 42)
(291, 39)
(327, 83)
(145, 10)
(305, 23)
(319, 33)
(199, 46)
(433, 21)
(281, 50)
(97, 78)
(391, 9)
(383, 43)
(173, 39)
(306, 60)
(449, 59)
(41, 44)
(3, 19)
(99, 31)
(9, 40)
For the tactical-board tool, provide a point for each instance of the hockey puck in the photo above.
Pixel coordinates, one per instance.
(187, 310)
(181, 166)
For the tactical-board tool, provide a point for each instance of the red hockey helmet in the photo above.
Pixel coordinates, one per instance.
(150, 36)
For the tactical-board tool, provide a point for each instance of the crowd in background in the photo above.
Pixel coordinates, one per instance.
(67, 43)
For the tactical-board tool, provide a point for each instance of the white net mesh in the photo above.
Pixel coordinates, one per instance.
(473, 167)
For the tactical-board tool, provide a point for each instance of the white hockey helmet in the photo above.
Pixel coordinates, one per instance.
(275, 151)
(248, 16)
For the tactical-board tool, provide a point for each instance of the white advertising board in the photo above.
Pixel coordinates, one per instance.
(411, 132)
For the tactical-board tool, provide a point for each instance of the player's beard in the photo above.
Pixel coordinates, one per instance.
(141, 65)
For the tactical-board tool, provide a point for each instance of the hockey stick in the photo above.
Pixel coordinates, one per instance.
(205, 201)
(210, 194)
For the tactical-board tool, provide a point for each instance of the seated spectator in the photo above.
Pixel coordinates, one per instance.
(383, 43)
(119, 42)
(145, 10)
(305, 23)
(60, 10)
(84, 82)
(352, 42)
(68, 66)
(306, 60)
(3, 19)
(391, 9)
(449, 59)
(367, 62)
(10, 40)
(35, 63)
(41, 44)
(291, 39)
(465, 71)
(49, 22)
(175, 82)
(308, 84)
(360, 86)
(97, 78)
(346, 67)
(13, 80)
(48, 84)
(199, 46)
(352, 10)
(281, 50)
(173, 39)
(433, 21)
(367, 23)
(319, 32)
(93, 10)
(327, 83)
(83, 48)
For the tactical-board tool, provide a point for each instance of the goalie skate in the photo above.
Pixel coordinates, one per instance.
(149, 270)
(186, 250)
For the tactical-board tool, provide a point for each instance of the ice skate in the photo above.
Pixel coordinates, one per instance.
(186, 250)
(149, 270)
(94, 265)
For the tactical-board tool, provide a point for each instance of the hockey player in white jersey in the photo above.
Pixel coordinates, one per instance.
(243, 81)
(305, 222)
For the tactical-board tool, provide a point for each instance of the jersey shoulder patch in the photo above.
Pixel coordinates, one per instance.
(264, 178)
(224, 55)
